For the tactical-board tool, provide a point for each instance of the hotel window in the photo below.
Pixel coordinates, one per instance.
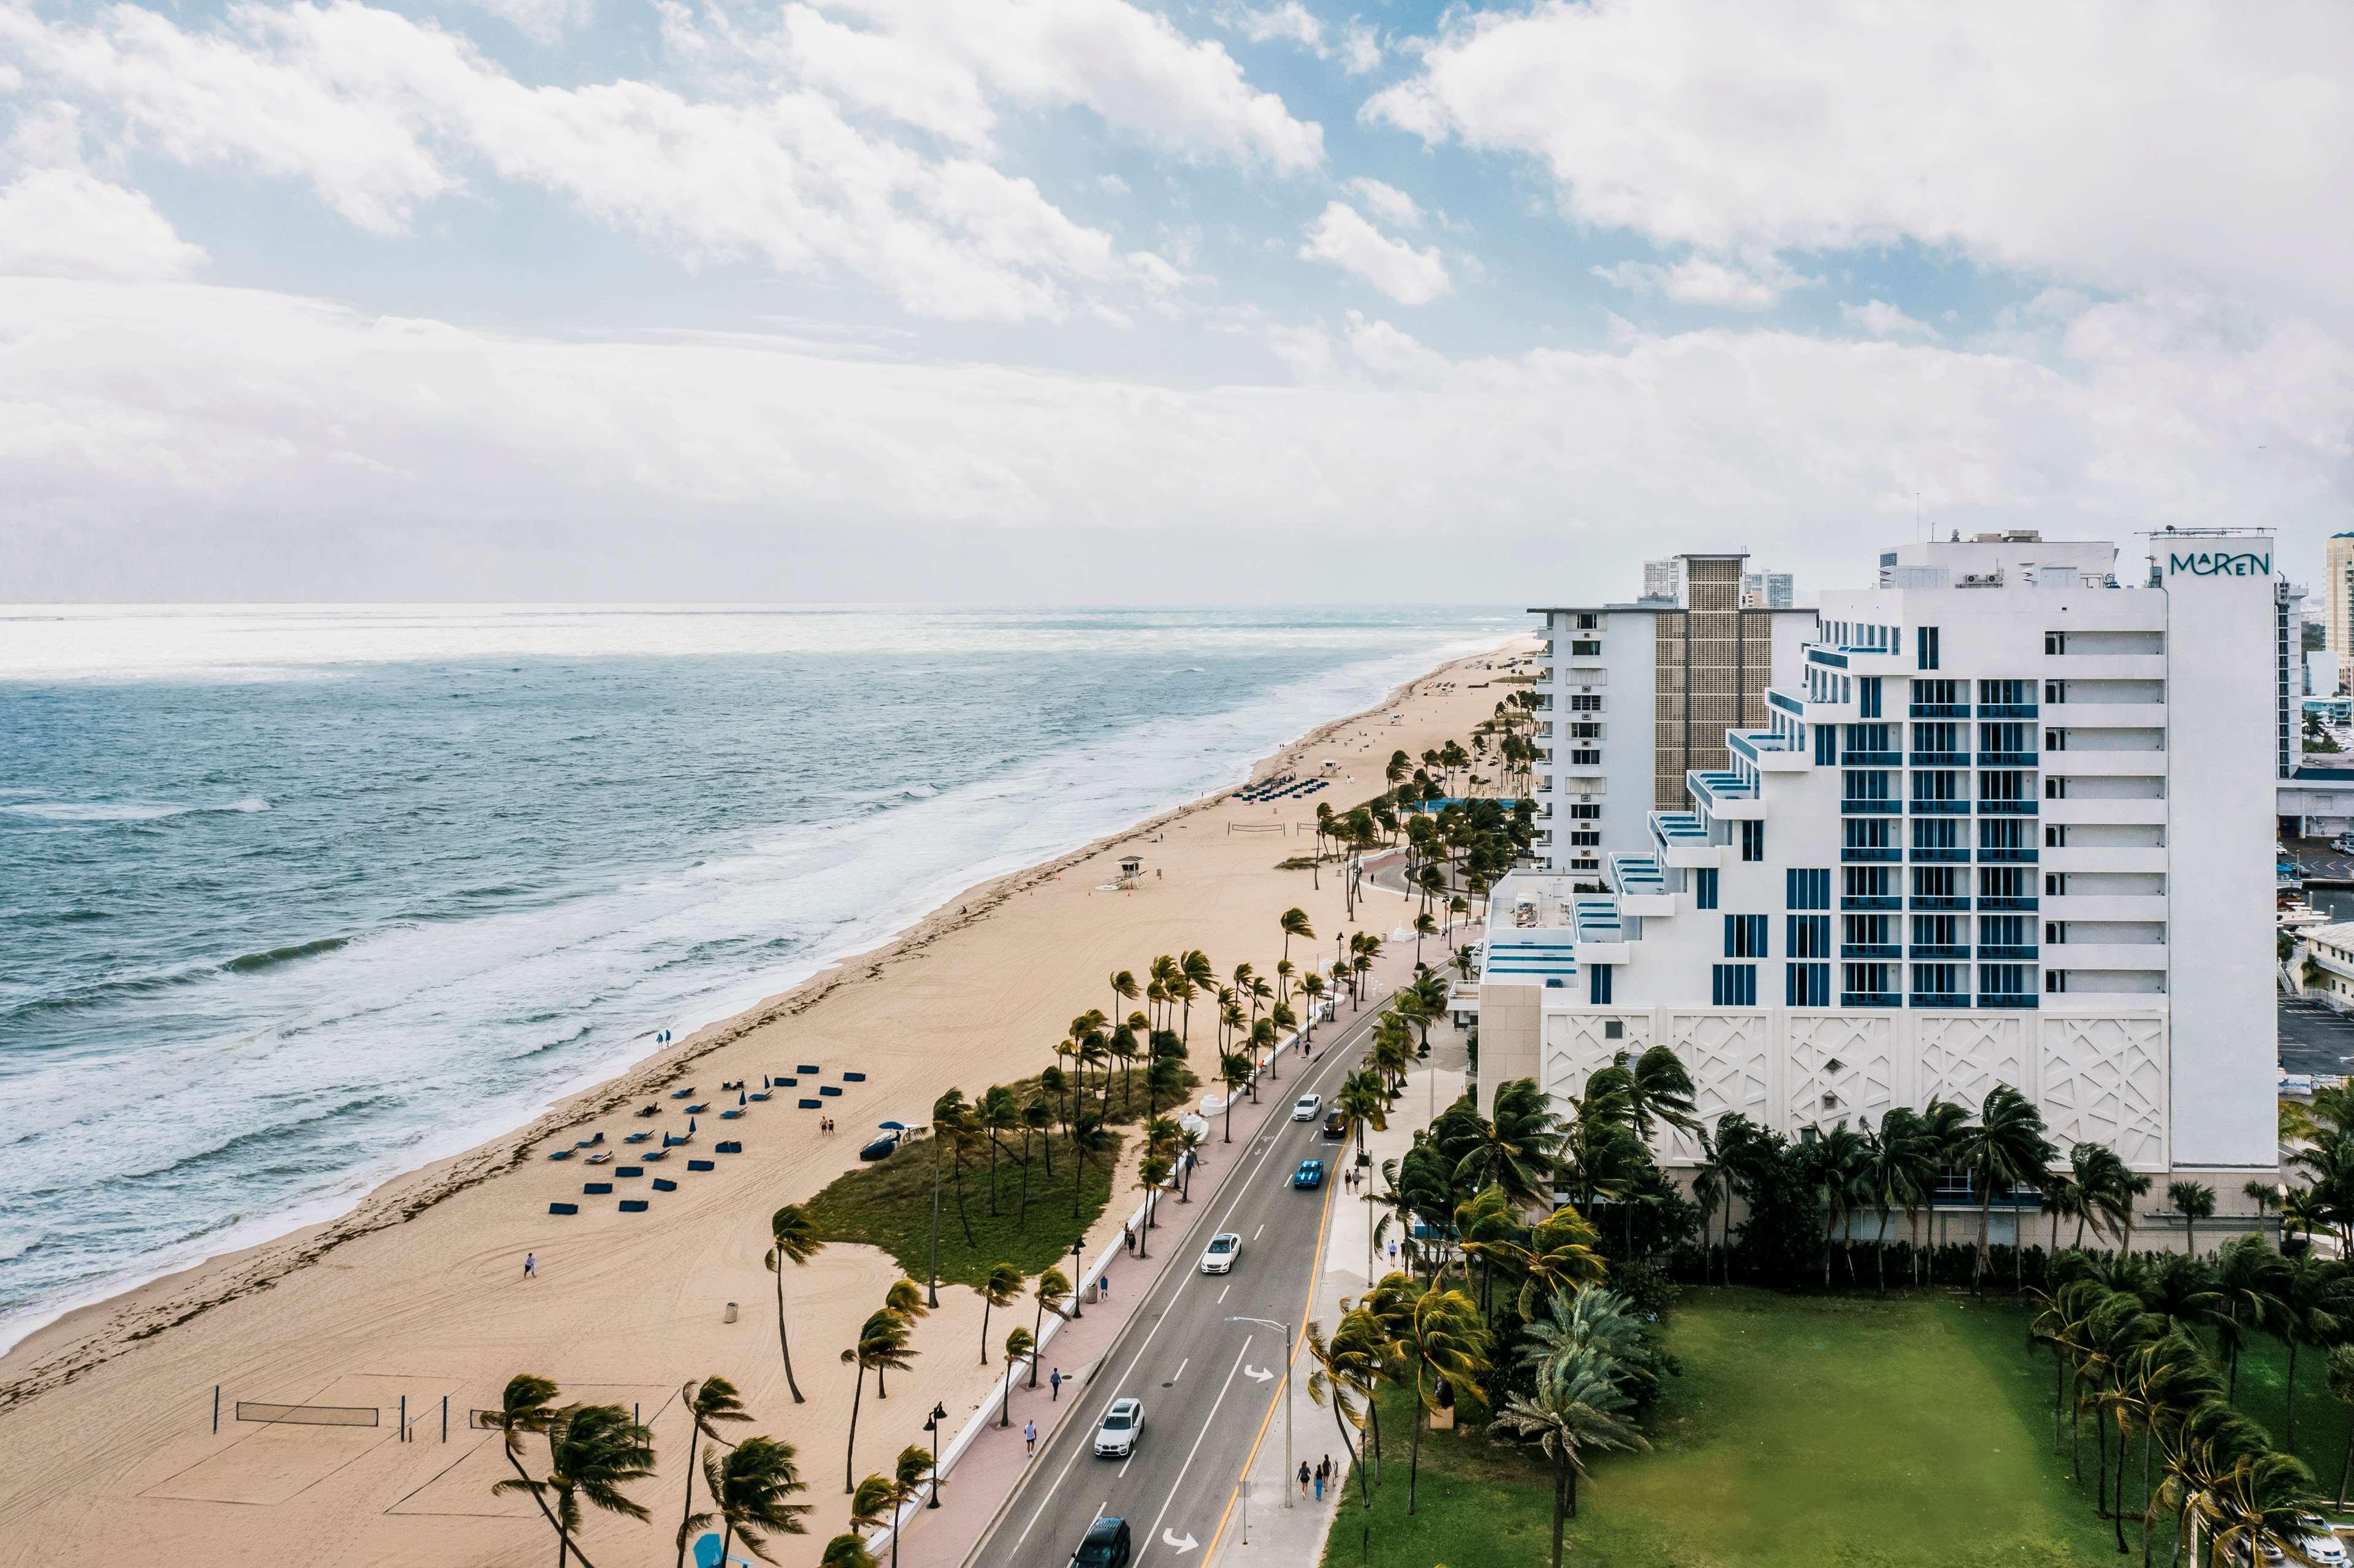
(2002, 786)
(1586, 648)
(1597, 985)
(1584, 729)
(1826, 745)
(1704, 887)
(2055, 980)
(1866, 979)
(1588, 622)
(1936, 979)
(1744, 936)
(1865, 784)
(1807, 985)
(1586, 760)
(2055, 740)
(1865, 930)
(1868, 697)
(1586, 703)
(1933, 835)
(1924, 646)
(1869, 832)
(1753, 841)
(1803, 888)
(1936, 930)
(2055, 643)
(2055, 885)
(2002, 882)
(2003, 930)
(2055, 691)
(1945, 736)
(1865, 882)
(1809, 936)
(2007, 692)
(2055, 834)
(1937, 784)
(1733, 985)
(1586, 838)
(2056, 933)
(1867, 737)
(2003, 979)
(1935, 882)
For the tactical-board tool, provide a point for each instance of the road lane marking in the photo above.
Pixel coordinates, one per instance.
(1221, 1295)
(1180, 1369)
(1208, 1422)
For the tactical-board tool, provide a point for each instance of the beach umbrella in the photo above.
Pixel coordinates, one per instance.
(764, 1082)
(892, 1126)
(739, 1096)
(690, 1124)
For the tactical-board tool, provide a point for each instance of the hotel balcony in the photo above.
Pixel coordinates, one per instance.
(1871, 950)
(1871, 806)
(1941, 709)
(1601, 933)
(1870, 855)
(2106, 956)
(1642, 885)
(2022, 760)
(1940, 808)
(1768, 752)
(1941, 999)
(1941, 903)
(2025, 808)
(1939, 951)
(2105, 666)
(1680, 840)
(2010, 999)
(1941, 759)
(1728, 797)
(1858, 661)
(2106, 764)
(2146, 813)
(2141, 907)
(1871, 999)
(2007, 953)
(1871, 759)
(1998, 855)
(1941, 855)
(1870, 902)
(2107, 715)
(2146, 858)
(2001, 905)
(2007, 710)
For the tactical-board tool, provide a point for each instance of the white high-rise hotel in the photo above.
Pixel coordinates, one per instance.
(2007, 819)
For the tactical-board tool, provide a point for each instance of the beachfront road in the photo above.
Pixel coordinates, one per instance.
(1208, 1385)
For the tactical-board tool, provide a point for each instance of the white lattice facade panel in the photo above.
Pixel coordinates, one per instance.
(1964, 1055)
(1839, 1068)
(1730, 1060)
(2104, 1080)
(1577, 1044)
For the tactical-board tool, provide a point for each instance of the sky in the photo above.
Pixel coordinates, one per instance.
(1095, 302)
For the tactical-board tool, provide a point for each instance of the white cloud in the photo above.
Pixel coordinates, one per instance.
(383, 115)
(1753, 283)
(1882, 319)
(1111, 185)
(1360, 48)
(2116, 142)
(63, 223)
(1290, 22)
(1342, 236)
(202, 425)
(541, 21)
(1387, 202)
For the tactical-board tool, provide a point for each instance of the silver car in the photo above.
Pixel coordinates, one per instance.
(1305, 1107)
(1219, 1256)
(1116, 1438)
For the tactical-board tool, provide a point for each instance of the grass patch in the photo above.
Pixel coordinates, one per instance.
(889, 1203)
(1913, 1430)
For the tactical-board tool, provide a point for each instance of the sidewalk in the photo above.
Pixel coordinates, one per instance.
(1259, 1531)
(983, 1463)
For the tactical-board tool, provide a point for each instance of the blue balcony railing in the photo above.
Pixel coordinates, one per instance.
(1941, 709)
(2007, 807)
(2009, 758)
(1941, 808)
(1871, 854)
(1998, 905)
(2007, 710)
(1852, 758)
(2006, 952)
(1941, 902)
(2007, 999)
(1871, 950)
(1788, 703)
(1941, 759)
(2002, 855)
(1871, 901)
(1872, 808)
(1941, 855)
(1941, 999)
(1869, 999)
(1825, 656)
(1923, 952)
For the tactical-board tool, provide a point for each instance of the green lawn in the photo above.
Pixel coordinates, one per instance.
(1803, 1432)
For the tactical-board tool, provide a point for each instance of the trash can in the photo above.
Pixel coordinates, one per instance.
(730, 1318)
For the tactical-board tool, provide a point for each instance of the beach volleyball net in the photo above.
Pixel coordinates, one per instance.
(308, 1415)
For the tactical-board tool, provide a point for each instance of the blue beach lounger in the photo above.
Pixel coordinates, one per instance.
(853, 1077)
(629, 1171)
(831, 1089)
(729, 1148)
(811, 1104)
(596, 1187)
(702, 1165)
(563, 1208)
(761, 1096)
(561, 1154)
(633, 1205)
(729, 1115)
(657, 1154)
(805, 1067)
(664, 1185)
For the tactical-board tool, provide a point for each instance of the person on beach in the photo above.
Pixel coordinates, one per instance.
(530, 1267)
(1054, 1384)
(1029, 1438)
(1303, 1477)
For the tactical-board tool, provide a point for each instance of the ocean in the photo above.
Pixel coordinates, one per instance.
(294, 899)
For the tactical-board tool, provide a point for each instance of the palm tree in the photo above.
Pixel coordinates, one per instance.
(846, 1551)
(948, 1117)
(1051, 1288)
(1196, 970)
(593, 1451)
(2194, 1201)
(1189, 1155)
(1236, 1071)
(1445, 1343)
(526, 1405)
(1350, 1367)
(1150, 1172)
(1904, 1174)
(2341, 1388)
(796, 1241)
(748, 1486)
(2309, 1294)
(1018, 1344)
(1001, 1288)
(908, 1478)
(1839, 1165)
(1123, 988)
(1516, 1148)
(997, 1112)
(1577, 1408)
(1311, 986)
(882, 1344)
(2006, 1146)
(707, 1404)
(2248, 1298)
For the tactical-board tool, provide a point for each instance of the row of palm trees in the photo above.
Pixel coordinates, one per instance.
(2125, 1336)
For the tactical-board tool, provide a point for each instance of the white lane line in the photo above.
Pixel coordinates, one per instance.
(1181, 1368)
(1124, 1464)
(1258, 1232)
(1221, 1295)
(1208, 1422)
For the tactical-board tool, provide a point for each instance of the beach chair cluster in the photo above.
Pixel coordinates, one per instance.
(746, 1097)
(1283, 789)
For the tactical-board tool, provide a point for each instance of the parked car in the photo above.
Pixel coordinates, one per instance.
(1305, 1107)
(1224, 1248)
(1116, 1438)
(1310, 1174)
(1336, 1127)
(1106, 1546)
(2315, 1539)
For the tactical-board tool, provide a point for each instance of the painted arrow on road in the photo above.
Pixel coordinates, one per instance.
(1169, 1538)
(1256, 1375)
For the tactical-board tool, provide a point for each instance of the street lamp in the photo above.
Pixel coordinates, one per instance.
(1078, 1275)
(940, 1414)
(1284, 1329)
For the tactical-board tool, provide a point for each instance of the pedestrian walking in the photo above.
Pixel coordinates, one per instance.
(1055, 1384)
(1128, 1236)
(530, 1267)
(1320, 1483)
(1393, 1252)
(1029, 1438)
(1303, 1477)
(1103, 1285)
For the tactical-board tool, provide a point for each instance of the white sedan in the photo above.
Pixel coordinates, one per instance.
(1219, 1256)
(1305, 1107)
(1116, 1438)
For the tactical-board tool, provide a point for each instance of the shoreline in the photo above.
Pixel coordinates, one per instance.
(82, 1339)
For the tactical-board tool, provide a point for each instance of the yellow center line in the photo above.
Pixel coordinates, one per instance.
(1298, 1343)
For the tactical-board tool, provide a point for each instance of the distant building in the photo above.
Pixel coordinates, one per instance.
(2338, 609)
(1632, 696)
(1767, 590)
(1663, 581)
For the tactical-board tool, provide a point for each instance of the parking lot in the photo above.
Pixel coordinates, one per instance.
(2314, 1039)
(2320, 859)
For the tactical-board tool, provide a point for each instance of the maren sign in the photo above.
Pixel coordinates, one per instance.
(2217, 563)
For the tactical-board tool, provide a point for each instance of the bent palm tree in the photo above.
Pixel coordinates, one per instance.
(2006, 1146)
(796, 1241)
(748, 1486)
(707, 1404)
(593, 1451)
(1052, 1286)
(525, 1406)
(1576, 1409)
(1001, 1288)
(882, 1342)
(1018, 1344)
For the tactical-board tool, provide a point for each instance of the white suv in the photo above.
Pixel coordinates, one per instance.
(1225, 1247)
(1116, 1438)
(1305, 1107)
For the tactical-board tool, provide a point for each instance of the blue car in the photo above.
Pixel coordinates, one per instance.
(1310, 1174)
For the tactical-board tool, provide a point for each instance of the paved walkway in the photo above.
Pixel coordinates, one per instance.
(979, 1483)
(1259, 1531)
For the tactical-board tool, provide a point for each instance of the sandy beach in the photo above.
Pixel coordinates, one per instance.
(418, 1293)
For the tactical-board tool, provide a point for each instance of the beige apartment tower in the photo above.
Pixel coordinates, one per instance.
(2338, 610)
